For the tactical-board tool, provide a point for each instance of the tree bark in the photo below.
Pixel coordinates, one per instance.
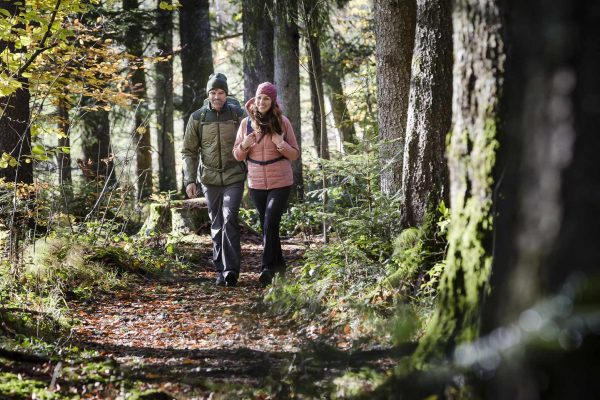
(315, 72)
(547, 231)
(64, 158)
(258, 44)
(15, 135)
(164, 102)
(425, 170)
(95, 141)
(196, 53)
(287, 77)
(141, 130)
(477, 86)
(395, 36)
(335, 91)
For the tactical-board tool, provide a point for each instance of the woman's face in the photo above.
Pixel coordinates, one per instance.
(263, 103)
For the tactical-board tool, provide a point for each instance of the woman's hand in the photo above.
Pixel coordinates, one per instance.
(277, 139)
(249, 141)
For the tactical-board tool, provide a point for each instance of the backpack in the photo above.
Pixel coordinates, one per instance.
(234, 106)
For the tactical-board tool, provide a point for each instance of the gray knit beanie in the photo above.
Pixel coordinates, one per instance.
(217, 81)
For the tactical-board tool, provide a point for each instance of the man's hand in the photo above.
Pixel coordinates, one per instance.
(191, 190)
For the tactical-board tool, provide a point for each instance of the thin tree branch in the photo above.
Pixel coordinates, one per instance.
(41, 47)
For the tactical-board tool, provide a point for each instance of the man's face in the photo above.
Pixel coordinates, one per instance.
(217, 98)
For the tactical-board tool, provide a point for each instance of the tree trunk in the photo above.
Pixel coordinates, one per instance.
(547, 228)
(315, 72)
(477, 84)
(15, 136)
(287, 77)
(335, 91)
(258, 44)
(164, 102)
(64, 158)
(395, 37)
(425, 170)
(141, 130)
(196, 53)
(95, 141)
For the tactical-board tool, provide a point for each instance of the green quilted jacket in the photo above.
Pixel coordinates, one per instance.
(208, 144)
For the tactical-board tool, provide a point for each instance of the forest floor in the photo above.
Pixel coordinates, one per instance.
(185, 337)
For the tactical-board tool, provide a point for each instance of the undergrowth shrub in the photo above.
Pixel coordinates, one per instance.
(65, 265)
(370, 271)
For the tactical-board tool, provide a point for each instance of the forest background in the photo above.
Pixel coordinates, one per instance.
(447, 170)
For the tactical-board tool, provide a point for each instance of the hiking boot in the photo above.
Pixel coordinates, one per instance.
(220, 281)
(230, 279)
(265, 277)
(279, 270)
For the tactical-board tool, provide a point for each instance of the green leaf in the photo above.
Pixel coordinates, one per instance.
(38, 149)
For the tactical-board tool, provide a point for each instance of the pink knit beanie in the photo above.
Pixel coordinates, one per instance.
(267, 88)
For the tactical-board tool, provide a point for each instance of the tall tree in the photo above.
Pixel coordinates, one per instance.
(395, 36)
(95, 140)
(257, 24)
(94, 114)
(287, 75)
(332, 78)
(477, 86)
(164, 99)
(196, 53)
(313, 18)
(141, 131)
(425, 170)
(547, 226)
(64, 141)
(15, 135)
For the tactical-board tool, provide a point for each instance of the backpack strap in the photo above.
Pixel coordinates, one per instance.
(236, 116)
(202, 118)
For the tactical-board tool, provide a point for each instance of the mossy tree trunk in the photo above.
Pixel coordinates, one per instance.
(287, 76)
(477, 86)
(425, 170)
(395, 38)
(548, 213)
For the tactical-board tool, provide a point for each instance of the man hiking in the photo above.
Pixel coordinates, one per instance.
(209, 162)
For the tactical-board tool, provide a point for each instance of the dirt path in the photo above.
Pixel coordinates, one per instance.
(187, 336)
(194, 340)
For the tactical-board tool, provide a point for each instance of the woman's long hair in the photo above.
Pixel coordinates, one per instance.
(269, 122)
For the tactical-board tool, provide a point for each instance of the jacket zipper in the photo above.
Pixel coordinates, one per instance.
(219, 148)
(265, 166)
